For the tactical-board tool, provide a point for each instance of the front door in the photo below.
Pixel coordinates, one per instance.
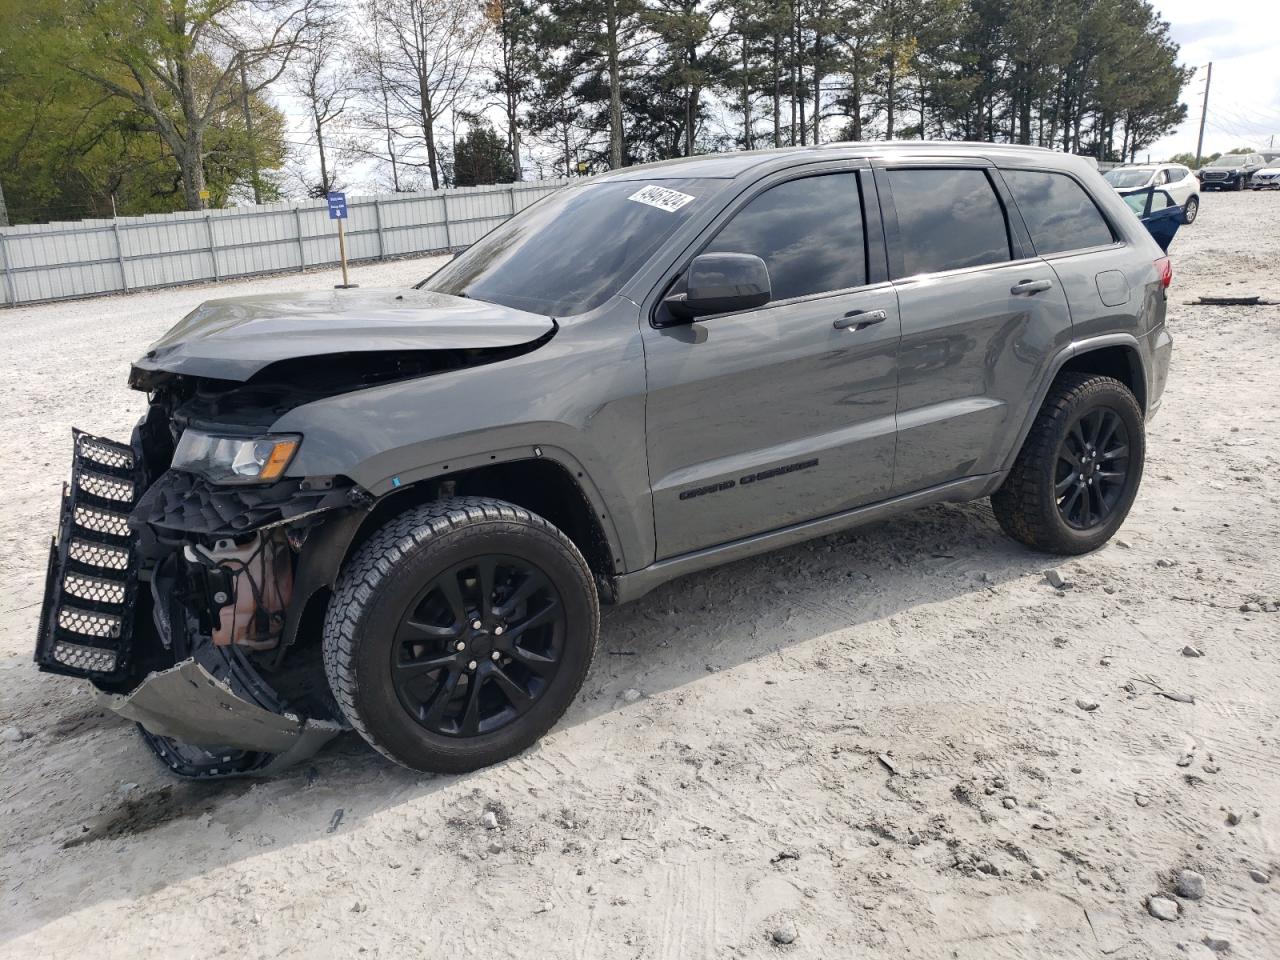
(764, 418)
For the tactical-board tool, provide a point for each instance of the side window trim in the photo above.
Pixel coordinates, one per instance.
(1015, 230)
(873, 229)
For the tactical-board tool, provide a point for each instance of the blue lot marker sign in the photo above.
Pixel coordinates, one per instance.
(338, 211)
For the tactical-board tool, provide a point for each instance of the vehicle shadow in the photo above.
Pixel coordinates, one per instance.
(705, 623)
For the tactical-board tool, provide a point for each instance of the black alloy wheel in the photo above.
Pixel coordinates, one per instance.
(1092, 470)
(459, 632)
(1078, 471)
(478, 646)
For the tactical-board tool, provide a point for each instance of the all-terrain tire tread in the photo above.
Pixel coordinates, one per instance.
(1020, 505)
(376, 558)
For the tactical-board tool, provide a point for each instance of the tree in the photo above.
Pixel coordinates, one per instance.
(482, 157)
(69, 150)
(513, 70)
(430, 58)
(594, 46)
(322, 81)
(180, 64)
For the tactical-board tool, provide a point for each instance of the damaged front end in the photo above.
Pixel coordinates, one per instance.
(191, 571)
(181, 600)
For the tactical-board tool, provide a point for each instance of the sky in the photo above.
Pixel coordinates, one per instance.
(1242, 40)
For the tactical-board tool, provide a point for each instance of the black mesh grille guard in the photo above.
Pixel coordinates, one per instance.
(86, 620)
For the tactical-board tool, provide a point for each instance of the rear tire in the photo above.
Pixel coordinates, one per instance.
(459, 633)
(1079, 469)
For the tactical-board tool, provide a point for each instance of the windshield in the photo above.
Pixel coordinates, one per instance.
(574, 250)
(1127, 178)
(1229, 162)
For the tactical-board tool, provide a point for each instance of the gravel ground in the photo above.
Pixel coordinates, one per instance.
(880, 744)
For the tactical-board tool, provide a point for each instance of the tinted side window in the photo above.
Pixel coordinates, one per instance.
(808, 232)
(947, 219)
(1057, 211)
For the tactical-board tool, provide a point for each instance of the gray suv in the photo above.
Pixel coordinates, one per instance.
(399, 510)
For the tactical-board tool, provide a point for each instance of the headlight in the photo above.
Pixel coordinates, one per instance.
(235, 459)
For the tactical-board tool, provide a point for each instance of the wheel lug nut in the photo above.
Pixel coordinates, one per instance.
(472, 665)
(495, 655)
(498, 631)
(476, 624)
(460, 646)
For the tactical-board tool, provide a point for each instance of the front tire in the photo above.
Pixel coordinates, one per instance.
(1191, 210)
(459, 633)
(1078, 472)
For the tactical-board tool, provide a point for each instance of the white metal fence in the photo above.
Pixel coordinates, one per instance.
(56, 261)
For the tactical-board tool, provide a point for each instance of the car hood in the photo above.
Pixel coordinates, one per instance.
(233, 339)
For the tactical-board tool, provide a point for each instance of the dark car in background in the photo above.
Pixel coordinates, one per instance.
(1234, 171)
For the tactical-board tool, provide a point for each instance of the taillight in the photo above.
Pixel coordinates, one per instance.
(1164, 267)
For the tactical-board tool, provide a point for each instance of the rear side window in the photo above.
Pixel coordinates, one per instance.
(947, 219)
(1057, 211)
(808, 232)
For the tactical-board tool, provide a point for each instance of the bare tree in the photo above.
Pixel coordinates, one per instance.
(430, 49)
(181, 64)
(322, 79)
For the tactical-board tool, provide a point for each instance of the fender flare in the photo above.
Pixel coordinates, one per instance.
(1074, 349)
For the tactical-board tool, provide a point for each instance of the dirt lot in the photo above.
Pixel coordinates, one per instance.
(873, 741)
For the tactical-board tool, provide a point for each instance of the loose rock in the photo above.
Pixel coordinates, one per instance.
(1233, 818)
(1162, 908)
(1087, 705)
(1189, 885)
(785, 932)
(489, 820)
(1055, 580)
(1259, 876)
(1037, 873)
(1190, 651)
(1217, 944)
(1009, 803)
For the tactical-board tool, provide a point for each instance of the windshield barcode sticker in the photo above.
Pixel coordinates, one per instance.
(662, 198)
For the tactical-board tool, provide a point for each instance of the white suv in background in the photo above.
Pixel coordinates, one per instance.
(1173, 178)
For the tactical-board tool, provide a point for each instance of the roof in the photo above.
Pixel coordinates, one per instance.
(729, 165)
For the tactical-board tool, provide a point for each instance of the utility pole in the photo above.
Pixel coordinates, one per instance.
(1204, 112)
(248, 127)
(4, 211)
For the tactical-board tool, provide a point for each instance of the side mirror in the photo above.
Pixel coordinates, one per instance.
(722, 283)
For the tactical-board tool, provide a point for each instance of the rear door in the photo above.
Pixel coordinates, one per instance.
(1104, 280)
(981, 317)
(764, 418)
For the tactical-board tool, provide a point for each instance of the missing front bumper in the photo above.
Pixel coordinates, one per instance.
(186, 706)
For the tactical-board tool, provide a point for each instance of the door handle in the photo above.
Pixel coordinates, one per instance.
(1031, 286)
(860, 319)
